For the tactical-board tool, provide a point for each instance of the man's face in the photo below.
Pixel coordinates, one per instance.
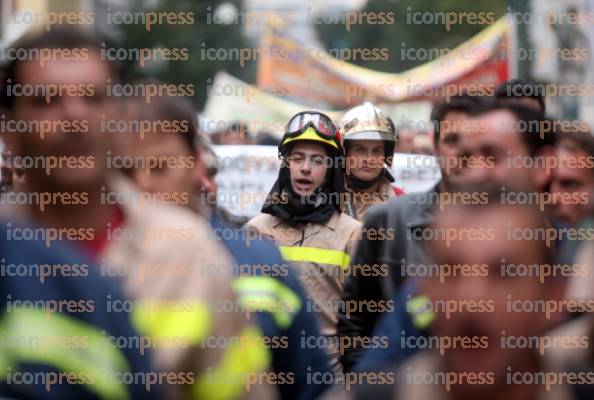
(491, 288)
(175, 175)
(492, 151)
(454, 125)
(77, 134)
(577, 182)
(365, 159)
(307, 165)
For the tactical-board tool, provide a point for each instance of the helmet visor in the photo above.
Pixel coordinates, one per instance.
(320, 122)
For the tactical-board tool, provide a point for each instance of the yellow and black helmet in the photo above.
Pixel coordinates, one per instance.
(311, 126)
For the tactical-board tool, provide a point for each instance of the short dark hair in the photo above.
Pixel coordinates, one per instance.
(518, 88)
(62, 37)
(463, 103)
(172, 108)
(530, 122)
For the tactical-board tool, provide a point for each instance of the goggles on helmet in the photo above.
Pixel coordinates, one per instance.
(309, 124)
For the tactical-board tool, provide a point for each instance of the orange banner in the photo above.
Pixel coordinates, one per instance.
(312, 76)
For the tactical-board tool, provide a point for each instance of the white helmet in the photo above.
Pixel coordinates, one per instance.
(367, 122)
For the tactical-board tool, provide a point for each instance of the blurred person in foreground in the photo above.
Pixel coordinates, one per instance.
(581, 289)
(183, 184)
(570, 237)
(59, 334)
(266, 285)
(369, 138)
(497, 316)
(400, 215)
(162, 256)
(475, 140)
(302, 214)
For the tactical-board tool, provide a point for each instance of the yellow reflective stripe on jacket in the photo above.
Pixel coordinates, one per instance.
(227, 380)
(97, 359)
(193, 325)
(5, 363)
(315, 255)
(189, 320)
(417, 307)
(268, 294)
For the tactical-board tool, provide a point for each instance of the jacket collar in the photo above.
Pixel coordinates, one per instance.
(331, 224)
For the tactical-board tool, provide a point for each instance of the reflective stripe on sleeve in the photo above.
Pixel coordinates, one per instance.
(422, 316)
(190, 320)
(225, 380)
(268, 294)
(316, 255)
(244, 357)
(97, 358)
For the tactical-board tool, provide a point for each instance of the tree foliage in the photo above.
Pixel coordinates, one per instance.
(198, 69)
(404, 34)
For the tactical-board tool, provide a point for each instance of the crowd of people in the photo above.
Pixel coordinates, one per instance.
(120, 281)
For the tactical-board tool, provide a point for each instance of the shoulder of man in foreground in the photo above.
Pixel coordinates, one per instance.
(400, 204)
(76, 302)
(174, 258)
(263, 224)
